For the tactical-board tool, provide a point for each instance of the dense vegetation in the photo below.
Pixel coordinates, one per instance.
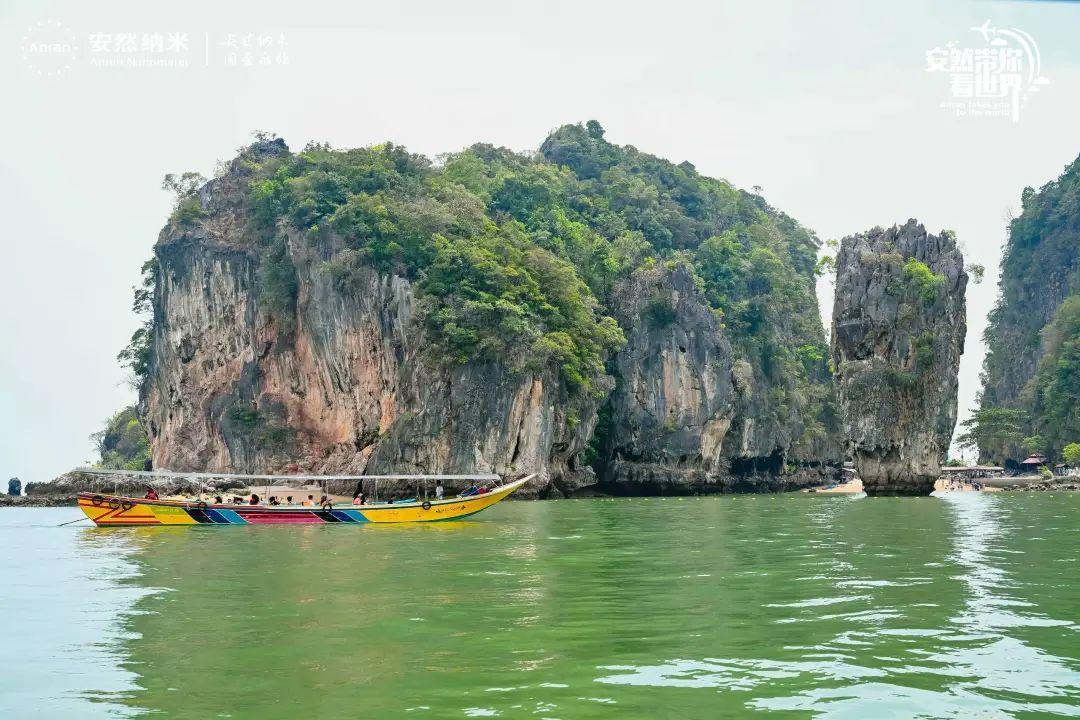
(1031, 380)
(925, 281)
(1054, 392)
(491, 288)
(515, 257)
(122, 443)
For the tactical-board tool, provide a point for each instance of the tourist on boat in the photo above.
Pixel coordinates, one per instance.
(310, 502)
(254, 499)
(438, 490)
(484, 489)
(217, 500)
(358, 498)
(323, 500)
(274, 500)
(288, 500)
(151, 493)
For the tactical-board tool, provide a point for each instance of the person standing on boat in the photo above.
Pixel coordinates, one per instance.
(438, 490)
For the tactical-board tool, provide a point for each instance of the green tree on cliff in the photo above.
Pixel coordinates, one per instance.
(999, 432)
(1055, 390)
(136, 355)
(1071, 454)
(122, 444)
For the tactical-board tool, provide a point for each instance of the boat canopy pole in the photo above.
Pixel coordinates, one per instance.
(169, 474)
(321, 480)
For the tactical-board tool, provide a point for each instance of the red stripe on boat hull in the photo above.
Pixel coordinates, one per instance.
(257, 518)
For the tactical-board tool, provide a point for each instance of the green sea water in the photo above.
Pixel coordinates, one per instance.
(960, 606)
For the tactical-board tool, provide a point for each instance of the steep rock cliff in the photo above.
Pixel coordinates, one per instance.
(344, 388)
(1038, 271)
(899, 321)
(682, 415)
(674, 400)
(1030, 373)
(363, 311)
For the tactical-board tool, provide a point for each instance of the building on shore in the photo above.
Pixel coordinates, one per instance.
(1033, 463)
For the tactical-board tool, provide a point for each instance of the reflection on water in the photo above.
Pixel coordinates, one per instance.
(956, 606)
(65, 598)
(973, 660)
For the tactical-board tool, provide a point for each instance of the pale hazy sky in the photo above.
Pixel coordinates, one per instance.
(826, 105)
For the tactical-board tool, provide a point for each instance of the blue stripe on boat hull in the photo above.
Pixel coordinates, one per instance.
(349, 516)
(228, 516)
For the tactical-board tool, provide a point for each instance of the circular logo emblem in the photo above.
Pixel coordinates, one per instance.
(49, 48)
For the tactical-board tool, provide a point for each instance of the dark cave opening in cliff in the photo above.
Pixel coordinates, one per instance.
(767, 465)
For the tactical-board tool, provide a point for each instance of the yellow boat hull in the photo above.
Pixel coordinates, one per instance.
(114, 510)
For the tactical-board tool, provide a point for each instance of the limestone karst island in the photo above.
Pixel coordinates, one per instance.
(594, 317)
(540, 361)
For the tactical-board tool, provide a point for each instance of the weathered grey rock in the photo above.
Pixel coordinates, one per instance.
(897, 338)
(674, 400)
(683, 410)
(102, 481)
(345, 388)
(38, 500)
(344, 385)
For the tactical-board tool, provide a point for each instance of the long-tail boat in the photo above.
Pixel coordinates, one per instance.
(117, 510)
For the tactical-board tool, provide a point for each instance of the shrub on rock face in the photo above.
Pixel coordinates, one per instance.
(923, 281)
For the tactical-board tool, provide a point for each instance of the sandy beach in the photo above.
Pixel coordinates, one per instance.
(855, 486)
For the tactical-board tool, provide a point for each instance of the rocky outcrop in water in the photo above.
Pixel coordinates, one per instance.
(899, 322)
(128, 484)
(295, 314)
(341, 387)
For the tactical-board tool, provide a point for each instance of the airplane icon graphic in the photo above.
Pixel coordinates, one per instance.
(985, 29)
